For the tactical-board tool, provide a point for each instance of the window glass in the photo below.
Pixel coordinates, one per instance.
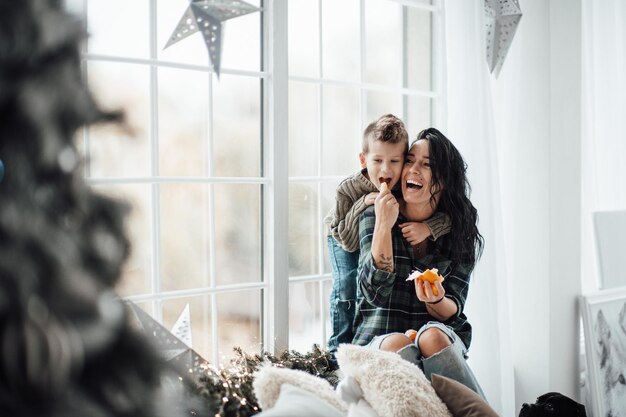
(304, 48)
(239, 323)
(383, 42)
(419, 115)
(341, 40)
(237, 126)
(184, 236)
(237, 233)
(418, 47)
(119, 150)
(183, 122)
(379, 103)
(341, 134)
(119, 27)
(304, 229)
(328, 202)
(136, 274)
(305, 316)
(304, 130)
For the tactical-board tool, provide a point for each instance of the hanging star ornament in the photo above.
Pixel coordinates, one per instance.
(501, 20)
(206, 17)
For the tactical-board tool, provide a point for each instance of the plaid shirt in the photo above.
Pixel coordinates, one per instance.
(387, 302)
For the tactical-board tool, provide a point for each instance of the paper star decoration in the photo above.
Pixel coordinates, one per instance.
(501, 20)
(183, 357)
(206, 17)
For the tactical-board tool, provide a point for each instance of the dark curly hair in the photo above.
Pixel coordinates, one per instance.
(67, 346)
(449, 177)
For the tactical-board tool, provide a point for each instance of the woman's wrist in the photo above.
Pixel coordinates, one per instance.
(436, 302)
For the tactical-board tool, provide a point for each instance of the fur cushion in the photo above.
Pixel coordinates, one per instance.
(294, 401)
(269, 379)
(392, 385)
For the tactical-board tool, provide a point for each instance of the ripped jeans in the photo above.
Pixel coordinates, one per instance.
(343, 294)
(449, 362)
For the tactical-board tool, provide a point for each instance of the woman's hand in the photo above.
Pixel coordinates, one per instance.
(414, 232)
(425, 293)
(387, 209)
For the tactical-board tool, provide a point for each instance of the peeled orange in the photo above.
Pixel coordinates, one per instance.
(429, 275)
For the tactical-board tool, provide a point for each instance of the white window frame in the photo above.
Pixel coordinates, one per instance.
(274, 178)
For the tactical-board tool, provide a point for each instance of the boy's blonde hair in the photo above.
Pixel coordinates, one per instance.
(387, 128)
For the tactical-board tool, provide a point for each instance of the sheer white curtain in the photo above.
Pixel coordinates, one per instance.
(604, 121)
(469, 124)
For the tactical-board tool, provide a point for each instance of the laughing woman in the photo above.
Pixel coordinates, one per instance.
(433, 179)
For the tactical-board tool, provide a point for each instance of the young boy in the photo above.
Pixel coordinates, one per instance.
(385, 144)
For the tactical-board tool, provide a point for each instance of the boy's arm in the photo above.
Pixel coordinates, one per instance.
(345, 228)
(439, 224)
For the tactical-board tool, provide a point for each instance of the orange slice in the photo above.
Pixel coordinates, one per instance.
(430, 275)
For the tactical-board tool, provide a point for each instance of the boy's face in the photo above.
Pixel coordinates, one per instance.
(384, 162)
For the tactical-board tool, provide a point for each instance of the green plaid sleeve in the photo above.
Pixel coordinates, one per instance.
(375, 285)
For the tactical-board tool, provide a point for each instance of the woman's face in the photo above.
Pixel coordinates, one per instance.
(416, 175)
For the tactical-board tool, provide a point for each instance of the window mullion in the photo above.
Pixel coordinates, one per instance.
(277, 192)
(438, 81)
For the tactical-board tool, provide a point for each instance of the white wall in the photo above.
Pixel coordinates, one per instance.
(537, 112)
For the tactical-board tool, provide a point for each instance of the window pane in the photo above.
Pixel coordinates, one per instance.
(117, 150)
(418, 115)
(419, 49)
(304, 229)
(199, 321)
(341, 40)
(242, 43)
(304, 129)
(237, 126)
(119, 27)
(383, 42)
(136, 276)
(328, 202)
(237, 233)
(342, 133)
(304, 38)
(183, 122)
(305, 316)
(382, 103)
(184, 245)
(239, 323)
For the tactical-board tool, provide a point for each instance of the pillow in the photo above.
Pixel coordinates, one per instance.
(391, 385)
(294, 401)
(269, 379)
(461, 400)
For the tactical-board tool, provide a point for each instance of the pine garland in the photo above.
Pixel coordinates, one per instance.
(228, 390)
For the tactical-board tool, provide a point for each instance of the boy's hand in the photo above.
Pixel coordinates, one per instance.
(371, 198)
(414, 232)
(386, 208)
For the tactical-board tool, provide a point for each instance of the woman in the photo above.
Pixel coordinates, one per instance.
(433, 179)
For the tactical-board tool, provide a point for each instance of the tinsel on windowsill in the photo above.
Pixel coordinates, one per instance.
(228, 389)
